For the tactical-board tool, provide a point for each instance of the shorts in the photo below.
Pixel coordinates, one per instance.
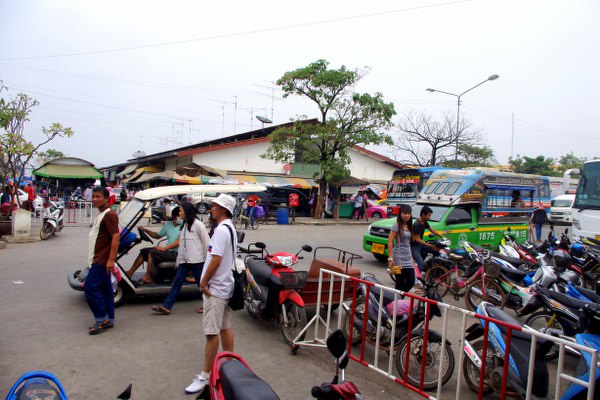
(216, 315)
(160, 256)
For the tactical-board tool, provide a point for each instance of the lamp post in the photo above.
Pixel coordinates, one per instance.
(458, 96)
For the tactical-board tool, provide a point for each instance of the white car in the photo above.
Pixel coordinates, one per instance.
(38, 203)
(202, 201)
(560, 209)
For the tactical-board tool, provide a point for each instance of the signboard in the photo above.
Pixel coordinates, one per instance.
(294, 200)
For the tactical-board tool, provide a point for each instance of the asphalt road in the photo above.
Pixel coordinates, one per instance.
(44, 326)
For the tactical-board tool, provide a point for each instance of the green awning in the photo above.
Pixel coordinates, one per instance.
(68, 171)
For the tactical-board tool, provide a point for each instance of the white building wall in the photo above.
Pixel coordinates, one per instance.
(365, 167)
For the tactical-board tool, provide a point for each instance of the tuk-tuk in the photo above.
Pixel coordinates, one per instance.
(162, 274)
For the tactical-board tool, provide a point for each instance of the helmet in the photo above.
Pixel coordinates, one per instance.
(562, 259)
(577, 250)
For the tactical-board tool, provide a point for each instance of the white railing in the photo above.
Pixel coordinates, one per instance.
(324, 325)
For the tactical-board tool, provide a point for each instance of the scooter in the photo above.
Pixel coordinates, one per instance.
(232, 378)
(272, 288)
(336, 390)
(42, 385)
(405, 342)
(53, 220)
(520, 346)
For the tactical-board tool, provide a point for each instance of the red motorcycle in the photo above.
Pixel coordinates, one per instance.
(272, 288)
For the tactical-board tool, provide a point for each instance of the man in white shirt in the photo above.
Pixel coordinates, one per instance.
(216, 284)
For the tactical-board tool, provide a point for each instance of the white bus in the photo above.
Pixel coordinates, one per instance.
(586, 209)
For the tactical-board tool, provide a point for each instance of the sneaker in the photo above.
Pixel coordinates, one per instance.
(197, 385)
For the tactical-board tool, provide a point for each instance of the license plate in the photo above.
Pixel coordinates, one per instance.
(378, 248)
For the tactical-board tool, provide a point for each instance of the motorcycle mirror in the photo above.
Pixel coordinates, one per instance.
(508, 229)
(336, 343)
(260, 245)
(307, 248)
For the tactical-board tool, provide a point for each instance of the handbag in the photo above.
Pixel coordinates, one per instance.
(395, 270)
(236, 302)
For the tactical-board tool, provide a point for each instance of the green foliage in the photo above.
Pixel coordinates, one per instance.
(539, 165)
(16, 150)
(570, 161)
(51, 154)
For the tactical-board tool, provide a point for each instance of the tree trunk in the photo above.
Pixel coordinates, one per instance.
(320, 200)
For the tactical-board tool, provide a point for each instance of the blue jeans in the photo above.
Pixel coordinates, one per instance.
(417, 253)
(252, 212)
(538, 231)
(180, 274)
(99, 294)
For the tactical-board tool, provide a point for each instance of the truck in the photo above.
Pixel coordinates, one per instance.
(469, 205)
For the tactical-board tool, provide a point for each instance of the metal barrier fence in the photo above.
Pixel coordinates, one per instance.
(323, 326)
(76, 213)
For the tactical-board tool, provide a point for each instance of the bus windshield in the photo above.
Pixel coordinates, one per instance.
(588, 191)
(405, 184)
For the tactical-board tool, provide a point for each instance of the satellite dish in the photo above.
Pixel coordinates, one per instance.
(264, 120)
(138, 154)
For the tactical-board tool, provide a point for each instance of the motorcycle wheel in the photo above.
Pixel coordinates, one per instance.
(432, 361)
(297, 320)
(493, 294)
(359, 313)
(46, 231)
(472, 372)
(249, 302)
(543, 321)
(440, 275)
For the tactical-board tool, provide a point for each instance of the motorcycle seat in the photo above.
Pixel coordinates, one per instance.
(167, 265)
(514, 261)
(260, 270)
(512, 273)
(240, 383)
(388, 295)
(563, 299)
(500, 315)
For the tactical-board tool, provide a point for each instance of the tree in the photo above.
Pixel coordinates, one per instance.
(44, 156)
(429, 141)
(570, 161)
(347, 119)
(473, 156)
(17, 151)
(539, 165)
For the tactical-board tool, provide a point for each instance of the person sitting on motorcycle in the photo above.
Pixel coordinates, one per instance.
(419, 246)
(152, 255)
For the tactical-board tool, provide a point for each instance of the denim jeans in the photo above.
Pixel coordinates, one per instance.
(99, 294)
(538, 231)
(180, 274)
(417, 253)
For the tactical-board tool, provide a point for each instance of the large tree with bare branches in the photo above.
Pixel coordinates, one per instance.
(425, 140)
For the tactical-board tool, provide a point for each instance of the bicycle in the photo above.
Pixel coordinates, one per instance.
(245, 222)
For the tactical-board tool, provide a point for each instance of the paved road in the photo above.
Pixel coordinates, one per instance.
(44, 326)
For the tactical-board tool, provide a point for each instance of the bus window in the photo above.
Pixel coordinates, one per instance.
(452, 189)
(431, 188)
(459, 216)
(442, 187)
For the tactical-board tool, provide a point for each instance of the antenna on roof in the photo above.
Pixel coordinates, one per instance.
(263, 120)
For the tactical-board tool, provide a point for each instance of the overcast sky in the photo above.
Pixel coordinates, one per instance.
(153, 75)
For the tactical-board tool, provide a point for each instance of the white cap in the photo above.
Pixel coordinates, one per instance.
(226, 202)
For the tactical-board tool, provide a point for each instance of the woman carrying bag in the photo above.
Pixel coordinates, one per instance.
(193, 245)
(400, 262)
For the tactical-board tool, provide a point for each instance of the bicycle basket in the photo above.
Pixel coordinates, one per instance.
(293, 280)
(491, 269)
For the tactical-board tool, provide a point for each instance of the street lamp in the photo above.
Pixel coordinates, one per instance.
(458, 96)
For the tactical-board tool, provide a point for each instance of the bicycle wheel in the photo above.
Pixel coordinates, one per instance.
(548, 323)
(474, 294)
(255, 224)
(440, 275)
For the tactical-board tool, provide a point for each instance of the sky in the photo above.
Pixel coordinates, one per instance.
(150, 76)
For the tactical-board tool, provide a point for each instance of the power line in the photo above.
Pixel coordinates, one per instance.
(243, 33)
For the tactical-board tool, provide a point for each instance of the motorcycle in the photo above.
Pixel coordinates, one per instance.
(232, 378)
(42, 385)
(272, 288)
(423, 355)
(53, 219)
(336, 390)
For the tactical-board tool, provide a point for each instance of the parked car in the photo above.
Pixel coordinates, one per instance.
(202, 201)
(375, 210)
(560, 209)
(38, 202)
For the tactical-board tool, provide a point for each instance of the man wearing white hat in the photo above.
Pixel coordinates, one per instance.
(216, 284)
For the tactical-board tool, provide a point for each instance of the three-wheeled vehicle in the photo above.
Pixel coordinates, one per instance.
(163, 273)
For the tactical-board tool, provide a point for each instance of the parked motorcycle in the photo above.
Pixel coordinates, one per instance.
(42, 385)
(272, 288)
(421, 356)
(336, 390)
(53, 219)
(494, 356)
(232, 378)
